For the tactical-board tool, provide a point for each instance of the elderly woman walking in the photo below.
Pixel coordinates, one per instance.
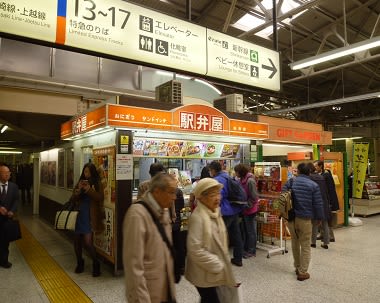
(208, 261)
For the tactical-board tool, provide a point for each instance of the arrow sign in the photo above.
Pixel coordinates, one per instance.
(272, 68)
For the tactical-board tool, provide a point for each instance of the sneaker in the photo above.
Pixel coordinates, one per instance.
(313, 245)
(237, 262)
(303, 276)
(325, 246)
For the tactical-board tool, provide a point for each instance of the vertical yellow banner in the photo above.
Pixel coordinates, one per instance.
(315, 152)
(360, 163)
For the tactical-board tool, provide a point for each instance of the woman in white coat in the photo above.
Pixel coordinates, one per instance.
(208, 261)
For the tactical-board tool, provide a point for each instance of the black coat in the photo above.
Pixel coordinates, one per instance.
(320, 180)
(333, 198)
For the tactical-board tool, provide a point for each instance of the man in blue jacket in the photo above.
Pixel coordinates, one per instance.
(230, 213)
(308, 206)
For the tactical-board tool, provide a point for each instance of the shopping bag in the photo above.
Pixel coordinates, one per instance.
(11, 229)
(66, 219)
(228, 294)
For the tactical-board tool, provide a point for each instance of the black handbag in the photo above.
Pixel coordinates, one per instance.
(12, 230)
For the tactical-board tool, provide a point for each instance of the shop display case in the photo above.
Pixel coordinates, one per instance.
(369, 204)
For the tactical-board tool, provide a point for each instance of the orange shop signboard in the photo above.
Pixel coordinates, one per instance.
(192, 118)
(284, 130)
(84, 123)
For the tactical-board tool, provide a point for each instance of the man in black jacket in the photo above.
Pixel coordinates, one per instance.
(320, 180)
(9, 197)
(333, 198)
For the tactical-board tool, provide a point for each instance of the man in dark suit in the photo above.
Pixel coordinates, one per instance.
(9, 197)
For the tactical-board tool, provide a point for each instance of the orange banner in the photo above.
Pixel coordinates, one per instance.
(84, 123)
(248, 129)
(128, 116)
(194, 118)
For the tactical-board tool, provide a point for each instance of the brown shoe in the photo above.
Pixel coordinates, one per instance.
(303, 276)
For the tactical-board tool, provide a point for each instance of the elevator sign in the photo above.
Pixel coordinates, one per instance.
(128, 32)
(125, 30)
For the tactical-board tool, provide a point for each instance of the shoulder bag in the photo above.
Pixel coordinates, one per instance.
(177, 270)
(12, 230)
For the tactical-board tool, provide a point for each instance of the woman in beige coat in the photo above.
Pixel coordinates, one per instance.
(208, 262)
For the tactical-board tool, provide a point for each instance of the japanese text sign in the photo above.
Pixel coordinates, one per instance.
(123, 30)
(360, 158)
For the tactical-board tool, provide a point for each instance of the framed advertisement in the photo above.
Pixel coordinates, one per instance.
(70, 168)
(61, 168)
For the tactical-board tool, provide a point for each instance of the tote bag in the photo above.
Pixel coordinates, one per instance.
(228, 294)
(66, 219)
(11, 229)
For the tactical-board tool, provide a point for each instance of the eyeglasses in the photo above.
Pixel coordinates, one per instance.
(171, 192)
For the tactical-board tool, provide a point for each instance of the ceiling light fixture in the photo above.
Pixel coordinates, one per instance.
(352, 138)
(337, 53)
(324, 103)
(10, 152)
(3, 128)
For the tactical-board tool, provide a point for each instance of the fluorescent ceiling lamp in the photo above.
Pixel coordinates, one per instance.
(3, 128)
(363, 119)
(10, 152)
(337, 53)
(169, 74)
(353, 138)
(324, 103)
(284, 145)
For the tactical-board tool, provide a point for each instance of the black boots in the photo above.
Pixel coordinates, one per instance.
(80, 266)
(96, 268)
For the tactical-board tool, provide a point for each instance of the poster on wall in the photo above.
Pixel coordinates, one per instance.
(230, 150)
(104, 242)
(70, 168)
(104, 159)
(213, 150)
(61, 168)
(48, 172)
(193, 150)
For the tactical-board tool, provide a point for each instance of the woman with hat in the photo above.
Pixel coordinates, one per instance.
(208, 262)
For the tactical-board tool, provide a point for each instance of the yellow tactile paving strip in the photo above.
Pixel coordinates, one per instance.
(58, 286)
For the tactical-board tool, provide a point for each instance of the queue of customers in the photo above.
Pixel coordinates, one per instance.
(214, 225)
(152, 239)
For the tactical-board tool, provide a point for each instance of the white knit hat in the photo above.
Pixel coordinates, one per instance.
(205, 184)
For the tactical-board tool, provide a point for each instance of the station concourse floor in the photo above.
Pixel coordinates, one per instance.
(43, 263)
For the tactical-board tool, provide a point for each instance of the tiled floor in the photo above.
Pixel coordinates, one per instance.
(347, 272)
